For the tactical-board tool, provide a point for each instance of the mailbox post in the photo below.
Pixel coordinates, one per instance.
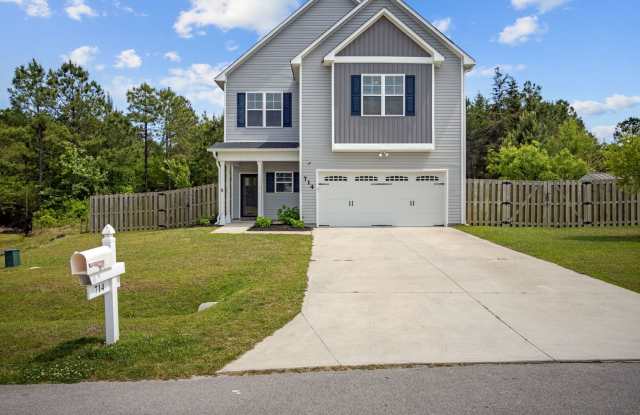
(111, 323)
(99, 272)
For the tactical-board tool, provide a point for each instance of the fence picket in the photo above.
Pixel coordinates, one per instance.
(140, 211)
(550, 204)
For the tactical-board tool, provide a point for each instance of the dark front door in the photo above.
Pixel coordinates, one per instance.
(249, 195)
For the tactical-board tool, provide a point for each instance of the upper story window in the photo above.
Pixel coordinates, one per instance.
(383, 95)
(264, 109)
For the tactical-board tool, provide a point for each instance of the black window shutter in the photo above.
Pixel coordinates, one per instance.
(240, 113)
(410, 95)
(271, 182)
(286, 108)
(355, 95)
(296, 182)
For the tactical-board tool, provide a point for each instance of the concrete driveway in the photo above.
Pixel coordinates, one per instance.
(437, 295)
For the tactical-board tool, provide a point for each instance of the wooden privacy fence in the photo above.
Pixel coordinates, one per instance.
(152, 210)
(553, 203)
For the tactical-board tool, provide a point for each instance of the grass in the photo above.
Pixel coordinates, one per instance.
(49, 332)
(609, 254)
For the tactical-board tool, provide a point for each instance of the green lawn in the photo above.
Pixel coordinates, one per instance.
(609, 254)
(49, 332)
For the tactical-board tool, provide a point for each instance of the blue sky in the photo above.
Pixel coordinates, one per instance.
(578, 50)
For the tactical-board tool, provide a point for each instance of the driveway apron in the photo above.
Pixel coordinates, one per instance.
(438, 295)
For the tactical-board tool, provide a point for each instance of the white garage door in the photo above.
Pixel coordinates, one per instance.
(370, 198)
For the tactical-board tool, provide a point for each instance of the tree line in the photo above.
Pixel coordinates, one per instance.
(515, 134)
(62, 140)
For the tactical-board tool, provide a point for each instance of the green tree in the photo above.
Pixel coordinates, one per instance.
(574, 137)
(177, 173)
(33, 94)
(177, 119)
(628, 127)
(623, 160)
(144, 113)
(81, 104)
(525, 162)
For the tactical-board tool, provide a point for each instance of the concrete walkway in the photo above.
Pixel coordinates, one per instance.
(437, 295)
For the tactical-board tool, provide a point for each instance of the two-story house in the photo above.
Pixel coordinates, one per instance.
(351, 110)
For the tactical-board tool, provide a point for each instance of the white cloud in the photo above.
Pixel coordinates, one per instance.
(443, 25)
(521, 31)
(77, 8)
(100, 67)
(172, 56)
(197, 84)
(489, 71)
(119, 87)
(256, 15)
(82, 56)
(604, 132)
(543, 6)
(230, 45)
(127, 9)
(33, 8)
(613, 103)
(128, 59)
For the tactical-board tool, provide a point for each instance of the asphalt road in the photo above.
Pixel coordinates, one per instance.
(553, 388)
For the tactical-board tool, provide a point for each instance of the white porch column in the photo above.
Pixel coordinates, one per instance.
(260, 188)
(222, 194)
(229, 191)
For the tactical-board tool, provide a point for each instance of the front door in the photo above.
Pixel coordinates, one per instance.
(249, 195)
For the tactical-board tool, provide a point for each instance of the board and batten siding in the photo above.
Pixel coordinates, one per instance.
(383, 38)
(269, 70)
(375, 130)
(316, 151)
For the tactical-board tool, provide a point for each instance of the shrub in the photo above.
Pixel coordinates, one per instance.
(288, 215)
(297, 223)
(263, 222)
(204, 221)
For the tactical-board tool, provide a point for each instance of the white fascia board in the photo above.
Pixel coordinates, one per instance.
(437, 58)
(391, 148)
(468, 61)
(260, 155)
(379, 59)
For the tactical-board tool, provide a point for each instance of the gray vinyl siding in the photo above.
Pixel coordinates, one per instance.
(272, 201)
(316, 151)
(269, 70)
(383, 39)
(382, 130)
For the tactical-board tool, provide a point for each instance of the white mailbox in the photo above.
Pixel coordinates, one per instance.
(88, 265)
(98, 270)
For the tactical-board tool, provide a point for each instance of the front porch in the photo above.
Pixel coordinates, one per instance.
(255, 179)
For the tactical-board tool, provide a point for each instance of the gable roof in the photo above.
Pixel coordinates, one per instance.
(221, 78)
(467, 60)
(384, 13)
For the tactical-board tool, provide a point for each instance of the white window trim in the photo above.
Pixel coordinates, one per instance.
(383, 95)
(275, 181)
(264, 109)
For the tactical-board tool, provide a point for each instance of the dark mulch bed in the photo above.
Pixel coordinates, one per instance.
(279, 227)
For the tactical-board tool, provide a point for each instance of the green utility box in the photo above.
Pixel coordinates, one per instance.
(11, 258)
